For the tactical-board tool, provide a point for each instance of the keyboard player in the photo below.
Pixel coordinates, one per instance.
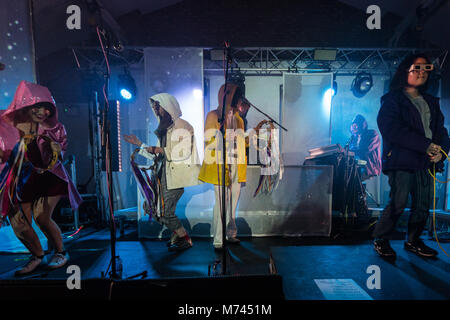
(365, 143)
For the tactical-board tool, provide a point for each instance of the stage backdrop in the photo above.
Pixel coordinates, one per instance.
(17, 56)
(300, 102)
(304, 210)
(16, 48)
(305, 113)
(178, 71)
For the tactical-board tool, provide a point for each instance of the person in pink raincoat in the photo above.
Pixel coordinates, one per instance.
(41, 179)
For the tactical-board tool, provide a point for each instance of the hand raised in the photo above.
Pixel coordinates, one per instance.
(132, 139)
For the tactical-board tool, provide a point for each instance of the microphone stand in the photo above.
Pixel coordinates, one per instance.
(346, 178)
(265, 114)
(106, 142)
(229, 60)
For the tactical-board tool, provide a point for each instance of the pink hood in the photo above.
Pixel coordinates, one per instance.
(28, 94)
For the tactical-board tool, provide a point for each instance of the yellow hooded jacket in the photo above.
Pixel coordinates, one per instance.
(211, 170)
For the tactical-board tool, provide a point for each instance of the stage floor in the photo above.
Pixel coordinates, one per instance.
(300, 262)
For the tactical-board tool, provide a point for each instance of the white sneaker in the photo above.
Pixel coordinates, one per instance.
(29, 267)
(58, 260)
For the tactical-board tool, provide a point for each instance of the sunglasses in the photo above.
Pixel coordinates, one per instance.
(418, 67)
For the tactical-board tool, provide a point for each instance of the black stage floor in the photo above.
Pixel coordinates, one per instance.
(299, 261)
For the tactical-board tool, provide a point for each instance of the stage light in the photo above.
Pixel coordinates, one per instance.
(126, 86)
(328, 94)
(125, 94)
(362, 84)
(326, 100)
(331, 92)
(335, 88)
(198, 94)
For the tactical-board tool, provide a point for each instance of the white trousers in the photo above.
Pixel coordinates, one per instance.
(231, 200)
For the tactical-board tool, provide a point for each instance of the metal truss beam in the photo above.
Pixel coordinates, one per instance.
(276, 61)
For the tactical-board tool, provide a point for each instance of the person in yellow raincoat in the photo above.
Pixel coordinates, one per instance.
(235, 163)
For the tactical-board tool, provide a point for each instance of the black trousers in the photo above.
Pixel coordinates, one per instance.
(419, 185)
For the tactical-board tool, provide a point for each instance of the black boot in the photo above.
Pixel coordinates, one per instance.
(181, 244)
(384, 249)
(420, 248)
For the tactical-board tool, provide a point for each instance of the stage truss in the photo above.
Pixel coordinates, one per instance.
(275, 61)
(348, 61)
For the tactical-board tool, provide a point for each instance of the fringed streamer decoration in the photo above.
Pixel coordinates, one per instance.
(271, 160)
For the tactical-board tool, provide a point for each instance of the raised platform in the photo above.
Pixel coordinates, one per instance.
(299, 263)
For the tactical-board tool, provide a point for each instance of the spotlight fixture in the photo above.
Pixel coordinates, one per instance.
(126, 86)
(362, 84)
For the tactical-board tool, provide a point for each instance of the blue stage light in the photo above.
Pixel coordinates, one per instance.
(326, 100)
(126, 87)
(126, 94)
(198, 94)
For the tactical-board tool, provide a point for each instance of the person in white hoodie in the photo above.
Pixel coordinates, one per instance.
(177, 152)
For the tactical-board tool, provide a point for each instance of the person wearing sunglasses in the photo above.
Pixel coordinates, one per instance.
(412, 127)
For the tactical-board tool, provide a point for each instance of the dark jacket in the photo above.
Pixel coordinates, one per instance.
(404, 141)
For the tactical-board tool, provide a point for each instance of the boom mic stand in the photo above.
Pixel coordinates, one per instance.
(106, 143)
(265, 114)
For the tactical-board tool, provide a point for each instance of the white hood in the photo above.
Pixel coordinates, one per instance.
(168, 103)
